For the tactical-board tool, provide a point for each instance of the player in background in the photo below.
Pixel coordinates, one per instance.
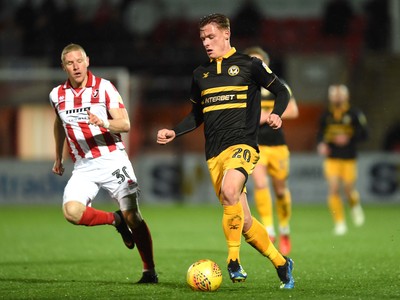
(225, 95)
(273, 162)
(341, 128)
(90, 116)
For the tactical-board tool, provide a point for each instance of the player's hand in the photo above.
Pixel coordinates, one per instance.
(94, 120)
(323, 149)
(274, 121)
(341, 140)
(165, 136)
(58, 167)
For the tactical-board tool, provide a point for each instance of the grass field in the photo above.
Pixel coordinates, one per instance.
(44, 257)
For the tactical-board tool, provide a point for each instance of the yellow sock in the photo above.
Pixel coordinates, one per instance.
(336, 207)
(354, 198)
(258, 238)
(284, 209)
(232, 223)
(263, 201)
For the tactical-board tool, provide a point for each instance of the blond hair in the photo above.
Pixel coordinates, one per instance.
(341, 88)
(72, 47)
(258, 51)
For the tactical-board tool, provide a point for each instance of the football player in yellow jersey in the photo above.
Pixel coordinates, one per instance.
(341, 128)
(273, 162)
(225, 96)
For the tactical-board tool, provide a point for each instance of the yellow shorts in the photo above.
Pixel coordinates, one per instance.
(344, 169)
(276, 160)
(240, 157)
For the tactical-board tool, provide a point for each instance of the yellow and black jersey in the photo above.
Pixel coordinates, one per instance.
(343, 120)
(267, 135)
(226, 96)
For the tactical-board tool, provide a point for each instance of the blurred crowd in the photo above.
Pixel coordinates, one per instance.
(142, 36)
(117, 32)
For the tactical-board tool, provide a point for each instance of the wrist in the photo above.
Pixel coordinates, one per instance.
(106, 124)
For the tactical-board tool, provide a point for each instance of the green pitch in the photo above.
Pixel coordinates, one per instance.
(44, 257)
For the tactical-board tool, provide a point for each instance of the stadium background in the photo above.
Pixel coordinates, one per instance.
(149, 48)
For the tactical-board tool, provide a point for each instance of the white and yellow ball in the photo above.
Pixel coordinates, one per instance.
(204, 275)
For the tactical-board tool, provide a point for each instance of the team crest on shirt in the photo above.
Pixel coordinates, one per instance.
(233, 70)
(346, 119)
(95, 93)
(205, 75)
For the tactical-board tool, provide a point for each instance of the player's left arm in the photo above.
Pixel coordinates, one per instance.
(291, 111)
(118, 123)
(360, 126)
(263, 75)
(323, 148)
(119, 120)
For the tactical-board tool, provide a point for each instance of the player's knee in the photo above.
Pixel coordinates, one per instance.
(280, 193)
(229, 196)
(73, 212)
(334, 191)
(349, 188)
(280, 196)
(133, 218)
(260, 184)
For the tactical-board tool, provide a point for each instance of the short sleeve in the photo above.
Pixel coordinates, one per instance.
(113, 98)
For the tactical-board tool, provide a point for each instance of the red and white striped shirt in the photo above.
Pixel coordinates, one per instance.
(84, 140)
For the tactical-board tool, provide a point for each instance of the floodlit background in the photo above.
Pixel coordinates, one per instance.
(149, 48)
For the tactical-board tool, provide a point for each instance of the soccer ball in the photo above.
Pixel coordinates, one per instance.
(204, 275)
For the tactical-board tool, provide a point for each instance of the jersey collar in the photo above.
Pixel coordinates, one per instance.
(90, 82)
(338, 111)
(227, 55)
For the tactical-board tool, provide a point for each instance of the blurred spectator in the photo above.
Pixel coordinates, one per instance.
(44, 30)
(377, 32)
(66, 24)
(337, 18)
(247, 20)
(10, 37)
(142, 16)
(8, 129)
(25, 17)
(392, 139)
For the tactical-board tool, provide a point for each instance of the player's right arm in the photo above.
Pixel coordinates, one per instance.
(193, 120)
(263, 75)
(59, 138)
(323, 148)
(291, 111)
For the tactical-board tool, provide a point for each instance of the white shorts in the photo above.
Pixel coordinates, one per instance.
(112, 172)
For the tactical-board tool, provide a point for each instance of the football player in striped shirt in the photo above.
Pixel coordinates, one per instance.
(90, 117)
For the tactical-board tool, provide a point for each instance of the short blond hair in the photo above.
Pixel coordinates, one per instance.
(338, 87)
(258, 51)
(72, 47)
